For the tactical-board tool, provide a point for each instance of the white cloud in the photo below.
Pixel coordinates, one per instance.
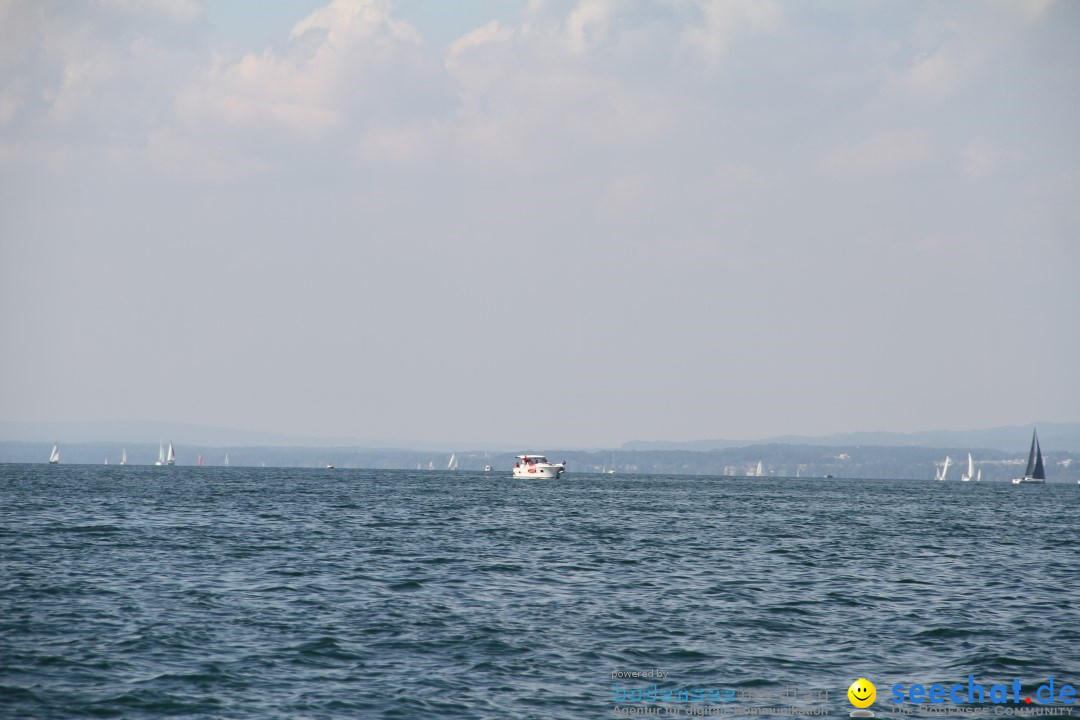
(309, 88)
(1032, 10)
(473, 59)
(196, 160)
(936, 74)
(261, 91)
(722, 21)
(11, 99)
(588, 24)
(87, 67)
(178, 10)
(980, 157)
(401, 146)
(881, 152)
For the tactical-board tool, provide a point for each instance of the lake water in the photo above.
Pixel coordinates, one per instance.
(141, 592)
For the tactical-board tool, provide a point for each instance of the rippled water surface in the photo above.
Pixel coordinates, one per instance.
(257, 593)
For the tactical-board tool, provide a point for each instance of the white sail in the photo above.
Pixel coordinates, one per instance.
(123, 456)
(970, 471)
(54, 456)
(452, 465)
(160, 453)
(759, 472)
(945, 470)
(170, 459)
(226, 459)
(978, 476)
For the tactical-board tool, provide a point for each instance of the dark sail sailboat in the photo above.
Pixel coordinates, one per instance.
(1035, 473)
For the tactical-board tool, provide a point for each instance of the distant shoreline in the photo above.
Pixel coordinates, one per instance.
(776, 460)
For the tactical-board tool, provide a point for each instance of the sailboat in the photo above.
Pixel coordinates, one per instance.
(226, 459)
(123, 456)
(54, 456)
(760, 472)
(170, 459)
(944, 469)
(453, 464)
(970, 475)
(978, 476)
(160, 454)
(1035, 474)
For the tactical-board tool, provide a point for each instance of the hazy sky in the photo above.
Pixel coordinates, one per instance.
(547, 223)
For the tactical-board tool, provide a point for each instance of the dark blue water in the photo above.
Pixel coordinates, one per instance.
(143, 592)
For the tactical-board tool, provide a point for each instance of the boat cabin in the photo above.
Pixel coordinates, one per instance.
(530, 460)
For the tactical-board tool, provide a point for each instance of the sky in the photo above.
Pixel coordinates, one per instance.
(569, 223)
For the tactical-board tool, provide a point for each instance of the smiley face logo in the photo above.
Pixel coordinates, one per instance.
(862, 693)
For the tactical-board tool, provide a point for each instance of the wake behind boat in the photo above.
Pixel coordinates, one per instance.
(537, 466)
(1035, 474)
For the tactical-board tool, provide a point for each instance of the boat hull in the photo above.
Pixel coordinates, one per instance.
(539, 471)
(1028, 481)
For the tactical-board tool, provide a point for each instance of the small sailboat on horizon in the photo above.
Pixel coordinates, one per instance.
(1035, 473)
(54, 456)
(123, 456)
(160, 453)
(170, 459)
(970, 474)
(944, 469)
(453, 464)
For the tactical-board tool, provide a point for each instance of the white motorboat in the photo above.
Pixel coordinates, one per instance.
(537, 466)
(1035, 474)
